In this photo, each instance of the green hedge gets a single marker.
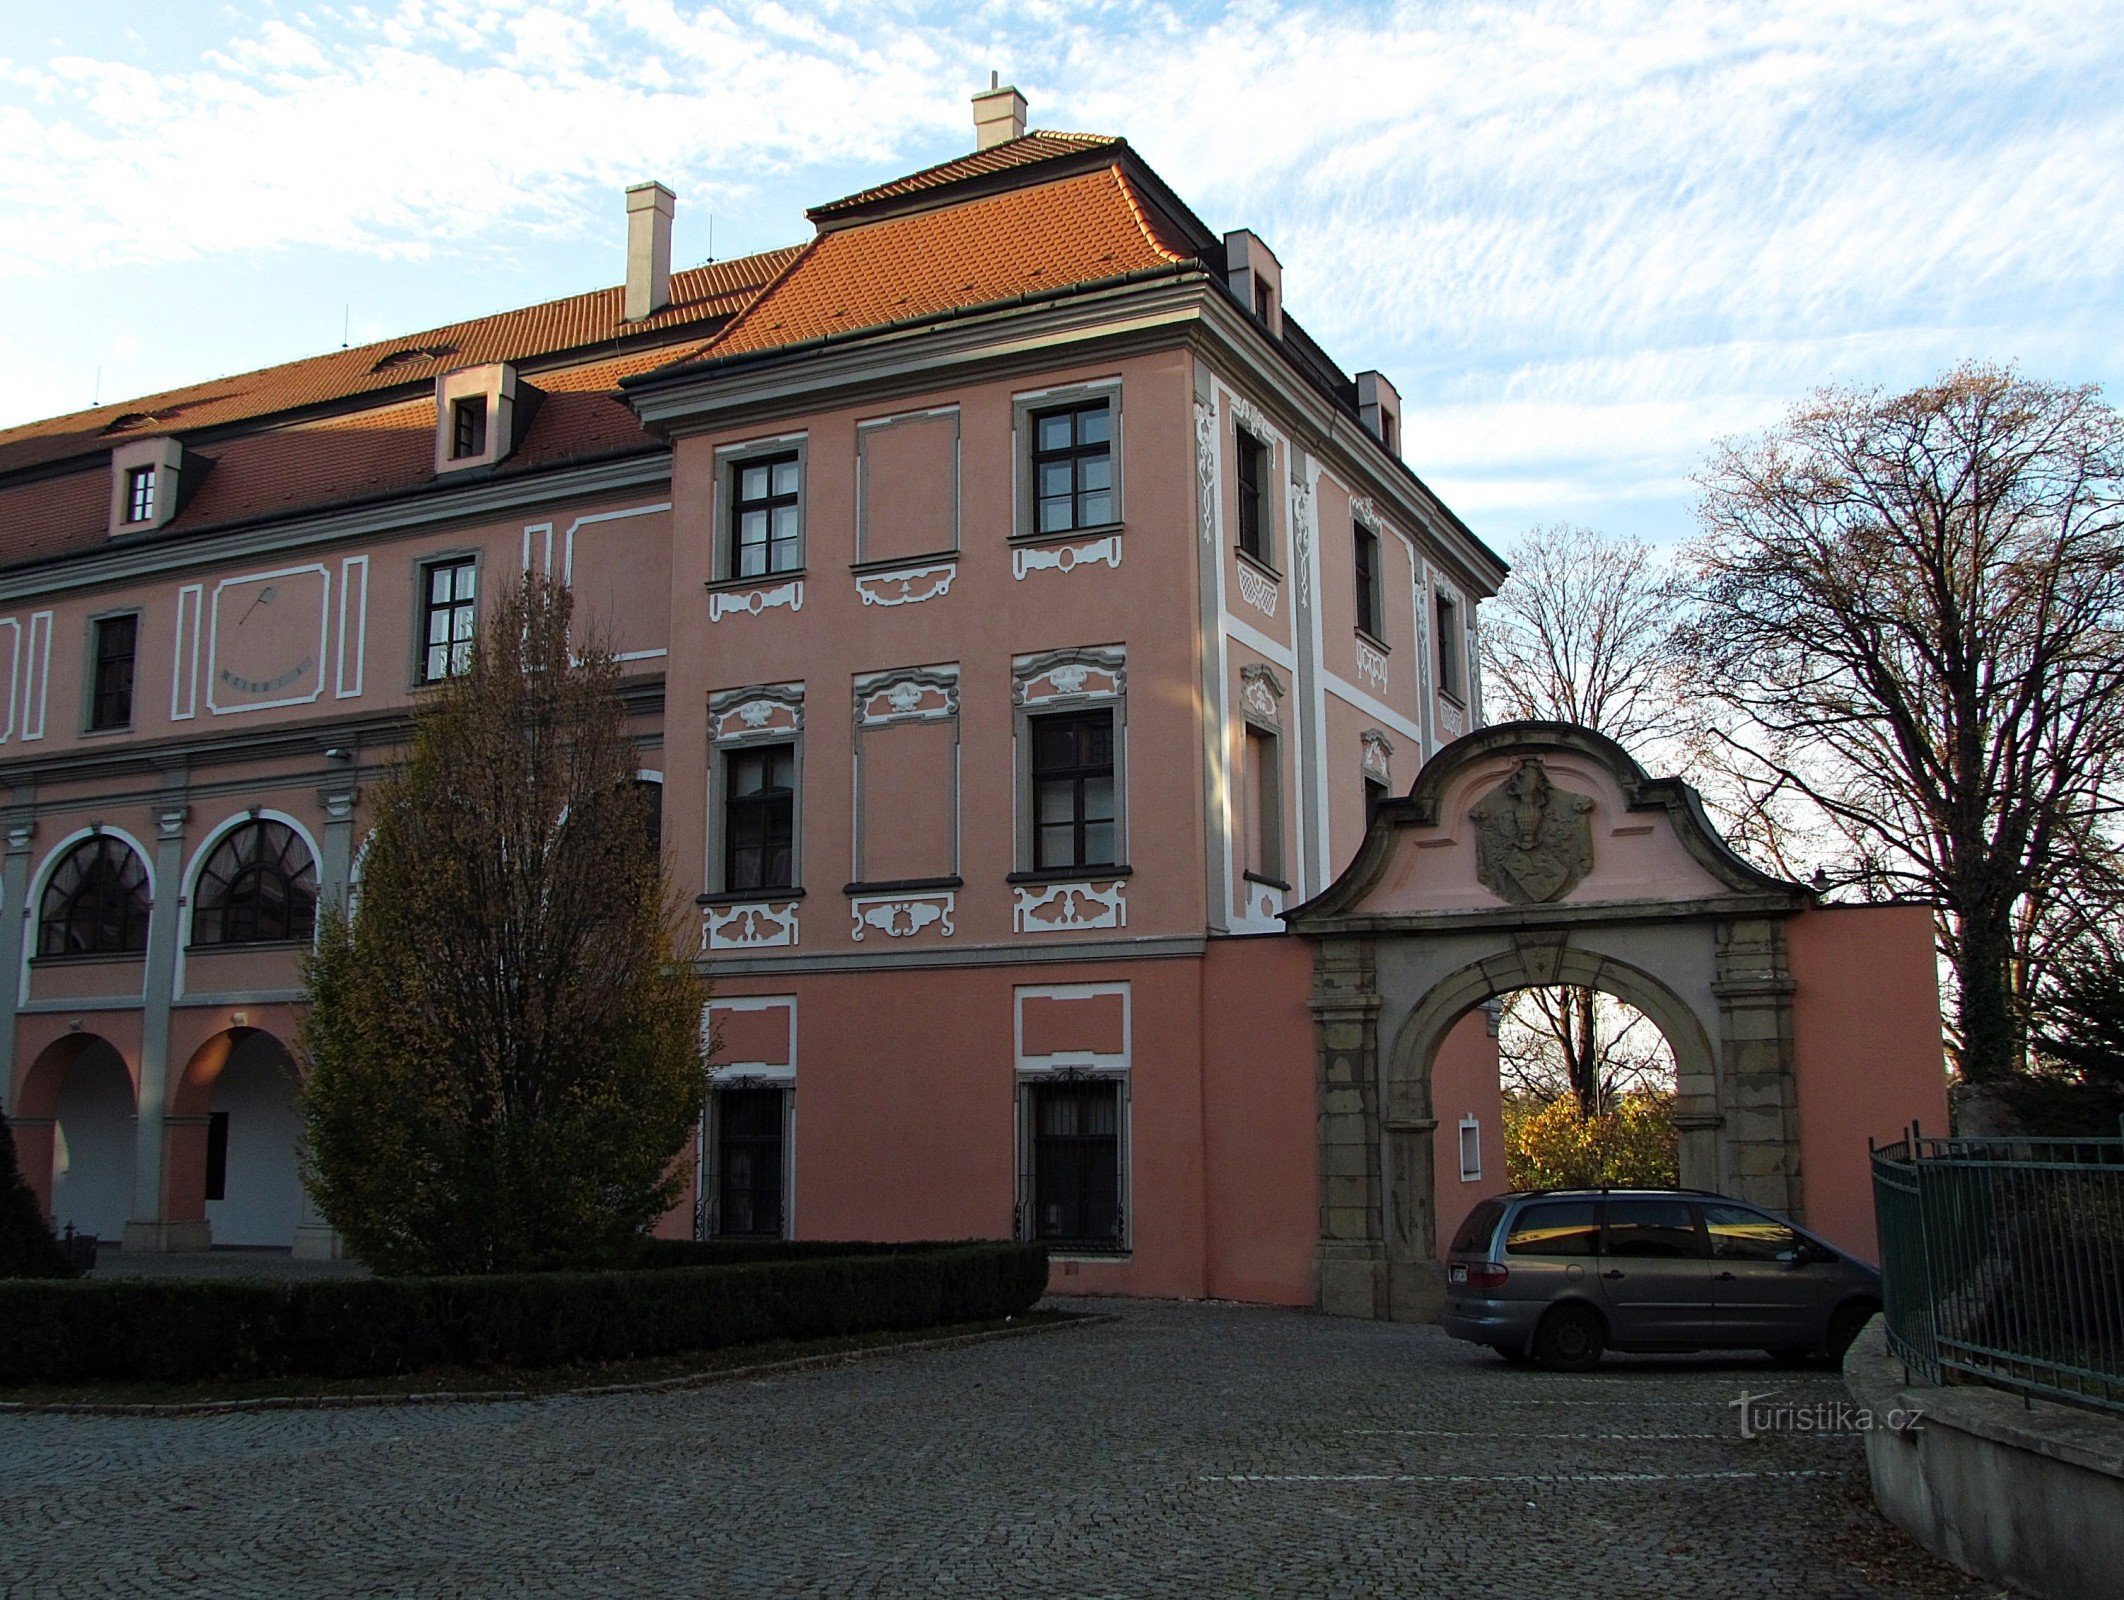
(180, 1331)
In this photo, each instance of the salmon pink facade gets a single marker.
(1019, 613)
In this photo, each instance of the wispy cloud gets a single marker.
(1585, 238)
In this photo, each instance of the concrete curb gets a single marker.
(448, 1397)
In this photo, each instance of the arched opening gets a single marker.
(95, 902)
(82, 1084)
(257, 886)
(1586, 1085)
(239, 1096)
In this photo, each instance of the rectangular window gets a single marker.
(111, 695)
(449, 621)
(1470, 1150)
(217, 1155)
(1386, 430)
(766, 516)
(140, 494)
(1076, 1163)
(1366, 546)
(749, 1126)
(1449, 678)
(1073, 468)
(1263, 797)
(759, 818)
(1264, 300)
(1073, 790)
(1253, 458)
(468, 427)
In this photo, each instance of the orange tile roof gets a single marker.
(577, 322)
(1026, 150)
(1075, 230)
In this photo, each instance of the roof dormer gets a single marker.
(1256, 277)
(1379, 405)
(480, 414)
(147, 476)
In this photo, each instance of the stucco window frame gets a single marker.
(417, 663)
(1025, 520)
(722, 550)
(1024, 871)
(1031, 1077)
(92, 626)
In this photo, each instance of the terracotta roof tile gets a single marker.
(1082, 229)
(579, 321)
(1026, 150)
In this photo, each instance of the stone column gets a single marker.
(336, 870)
(15, 921)
(1351, 1263)
(1758, 1085)
(150, 1227)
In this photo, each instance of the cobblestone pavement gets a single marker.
(1198, 1451)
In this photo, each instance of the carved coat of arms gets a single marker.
(1532, 840)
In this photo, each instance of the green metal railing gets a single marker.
(2002, 1260)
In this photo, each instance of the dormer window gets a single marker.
(468, 427)
(140, 494)
(1264, 301)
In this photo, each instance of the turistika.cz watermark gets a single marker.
(1771, 1413)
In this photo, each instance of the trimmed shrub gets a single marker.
(27, 1248)
(369, 1327)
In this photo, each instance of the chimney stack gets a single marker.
(999, 115)
(649, 208)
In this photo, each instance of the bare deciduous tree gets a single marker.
(1912, 606)
(1575, 1042)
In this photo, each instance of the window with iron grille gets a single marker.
(111, 686)
(1365, 544)
(468, 427)
(449, 617)
(759, 818)
(140, 494)
(766, 516)
(1073, 790)
(1075, 1151)
(96, 901)
(1253, 459)
(749, 1149)
(259, 886)
(1073, 467)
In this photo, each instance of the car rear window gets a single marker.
(1477, 1227)
(1555, 1228)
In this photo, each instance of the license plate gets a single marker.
(1456, 1274)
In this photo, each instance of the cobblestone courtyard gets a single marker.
(1196, 1451)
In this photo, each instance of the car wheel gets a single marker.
(1845, 1326)
(1570, 1339)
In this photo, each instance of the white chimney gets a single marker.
(999, 115)
(649, 208)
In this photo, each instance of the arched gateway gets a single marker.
(1538, 853)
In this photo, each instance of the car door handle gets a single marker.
(1612, 1272)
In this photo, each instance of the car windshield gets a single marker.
(1476, 1228)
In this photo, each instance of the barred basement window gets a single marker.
(749, 1133)
(1075, 1149)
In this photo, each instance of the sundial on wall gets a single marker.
(268, 639)
(1533, 841)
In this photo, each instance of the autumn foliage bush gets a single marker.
(1548, 1145)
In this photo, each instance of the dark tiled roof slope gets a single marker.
(1024, 151)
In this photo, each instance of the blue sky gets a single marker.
(1586, 240)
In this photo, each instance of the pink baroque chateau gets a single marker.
(1020, 614)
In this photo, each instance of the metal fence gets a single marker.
(2003, 1260)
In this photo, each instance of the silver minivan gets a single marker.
(1559, 1275)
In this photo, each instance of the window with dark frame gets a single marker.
(259, 886)
(111, 686)
(1073, 790)
(759, 818)
(1449, 647)
(1365, 544)
(217, 1155)
(96, 901)
(1076, 1163)
(140, 494)
(1073, 467)
(449, 617)
(468, 427)
(1264, 299)
(1264, 800)
(1386, 429)
(1253, 462)
(766, 516)
(748, 1162)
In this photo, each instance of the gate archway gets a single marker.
(1526, 855)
